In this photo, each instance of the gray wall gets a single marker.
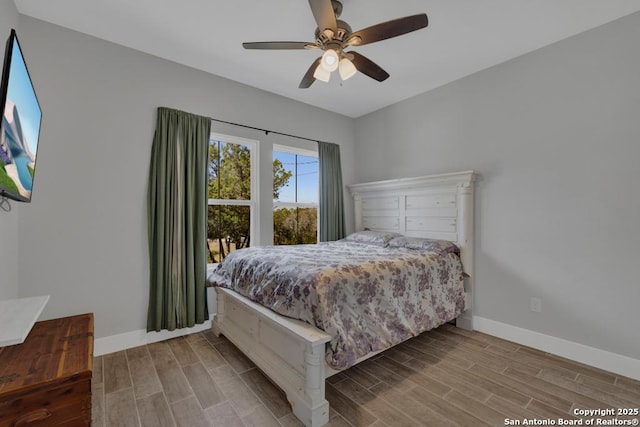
(8, 220)
(555, 136)
(83, 239)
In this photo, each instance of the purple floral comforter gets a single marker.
(367, 297)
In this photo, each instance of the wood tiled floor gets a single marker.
(445, 377)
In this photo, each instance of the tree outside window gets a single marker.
(231, 195)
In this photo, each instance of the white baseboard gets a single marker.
(140, 337)
(613, 362)
(113, 343)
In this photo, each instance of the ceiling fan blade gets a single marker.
(387, 30)
(324, 15)
(368, 67)
(308, 78)
(279, 45)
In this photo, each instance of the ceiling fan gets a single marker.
(333, 36)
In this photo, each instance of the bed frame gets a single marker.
(291, 352)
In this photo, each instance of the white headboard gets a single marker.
(434, 206)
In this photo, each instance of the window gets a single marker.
(295, 196)
(233, 195)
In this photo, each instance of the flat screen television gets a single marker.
(20, 126)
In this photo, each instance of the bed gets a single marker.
(397, 276)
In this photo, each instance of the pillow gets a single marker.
(432, 245)
(372, 237)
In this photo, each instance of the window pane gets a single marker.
(283, 177)
(229, 171)
(307, 180)
(295, 226)
(227, 230)
(295, 178)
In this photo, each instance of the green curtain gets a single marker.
(177, 214)
(331, 200)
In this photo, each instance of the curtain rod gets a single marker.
(266, 131)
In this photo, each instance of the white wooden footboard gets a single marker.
(290, 352)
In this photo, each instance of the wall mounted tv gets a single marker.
(20, 126)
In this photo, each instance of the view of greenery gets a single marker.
(228, 225)
(229, 174)
(295, 226)
(227, 230)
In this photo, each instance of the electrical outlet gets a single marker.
(535, 305)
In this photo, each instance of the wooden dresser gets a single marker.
(46, 381)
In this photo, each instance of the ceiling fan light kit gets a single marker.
(346, 69)
(322, 74)
(330, 60)
(333, 36)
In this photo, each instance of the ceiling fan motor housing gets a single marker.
(327, 37)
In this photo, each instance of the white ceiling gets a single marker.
(463, 36)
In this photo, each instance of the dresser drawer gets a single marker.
(68, 404)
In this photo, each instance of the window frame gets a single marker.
(254, 201)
